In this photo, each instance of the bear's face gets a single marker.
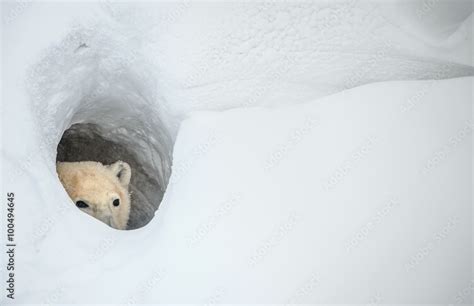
(98, 190)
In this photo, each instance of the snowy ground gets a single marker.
(315, 152)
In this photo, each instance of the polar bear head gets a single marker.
(98, 190)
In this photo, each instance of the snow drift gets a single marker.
(275, 194)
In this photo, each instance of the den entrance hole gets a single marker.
(91, 142)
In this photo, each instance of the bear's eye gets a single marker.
(116, 202)
(81, 204)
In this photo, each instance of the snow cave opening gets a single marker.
(97, 98)
(150, 166)
(121, 124)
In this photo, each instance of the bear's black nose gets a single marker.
(116, 202)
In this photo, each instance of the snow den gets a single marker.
(96, 100)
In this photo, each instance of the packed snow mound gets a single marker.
(370, 187)
(358, 197)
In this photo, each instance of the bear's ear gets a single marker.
(122, 171)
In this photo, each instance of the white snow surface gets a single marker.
(320, 151)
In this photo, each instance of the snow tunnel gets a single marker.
(96, 102)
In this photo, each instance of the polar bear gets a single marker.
(98, 190)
